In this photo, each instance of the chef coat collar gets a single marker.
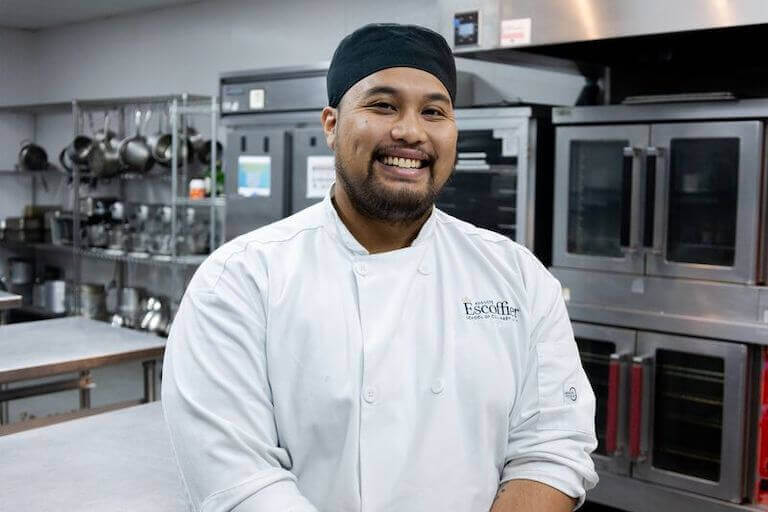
(350, 242)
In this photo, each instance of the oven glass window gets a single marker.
(594, 197)
(703, 200)
(483, 188)
(688, 413)
(595, 356)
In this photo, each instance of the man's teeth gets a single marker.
(401, 162)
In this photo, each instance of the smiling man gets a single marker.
(372, 353)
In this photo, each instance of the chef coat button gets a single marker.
(361, 268)
(438, 386)
(369, 395)
(424, 269)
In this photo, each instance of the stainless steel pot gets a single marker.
(56, 296)
(204, 154)
(92, 301)
(97, 235)
(130, 306)
(161, 144)
(104, 158)
(78, 150)
(32, 157)
(134, 151)
(21, 271)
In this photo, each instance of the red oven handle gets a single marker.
(612, 416)
(636, 408)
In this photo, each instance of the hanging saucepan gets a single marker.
(76, 153)
(79, 149)
(67, 166)
(161, 144)
(32, 157)
(204, 154)
(134, 151)
(104, 157)
(195, 141)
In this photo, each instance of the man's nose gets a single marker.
(409, 129)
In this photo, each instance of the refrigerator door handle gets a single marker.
(639, 394)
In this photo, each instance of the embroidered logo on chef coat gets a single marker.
(570, 396)
(490, 309)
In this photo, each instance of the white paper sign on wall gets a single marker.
(515, 32)
(321, 173)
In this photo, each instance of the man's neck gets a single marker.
(375, 235)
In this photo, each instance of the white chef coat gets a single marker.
(303, 373)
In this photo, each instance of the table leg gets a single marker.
(85, 392)
(150, 394)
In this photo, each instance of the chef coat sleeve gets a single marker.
(552, 423)
(216, 396)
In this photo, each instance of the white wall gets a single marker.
(18, 74)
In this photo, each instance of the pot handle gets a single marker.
(63, 162)
(147, 117)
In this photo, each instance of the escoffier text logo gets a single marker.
(490, 309)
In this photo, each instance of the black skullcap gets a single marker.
(388, 45)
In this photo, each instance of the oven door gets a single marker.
(687, 414)
(707, 200)
(597, 197)
(605, 355)
(489, 187)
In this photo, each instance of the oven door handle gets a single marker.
(612, 407)
(625, 233)
(637, 406)
(653, 161)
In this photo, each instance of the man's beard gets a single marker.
(375, 200)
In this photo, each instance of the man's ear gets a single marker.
(330, 117)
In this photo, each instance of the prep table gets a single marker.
(9, 300)
(120, 460)
(32, 350)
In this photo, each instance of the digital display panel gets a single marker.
(254, 176)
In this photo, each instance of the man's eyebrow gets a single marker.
(386, 89)
(437, 96)
(381, 89)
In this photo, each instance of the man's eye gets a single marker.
(433, 112)
(384, 106)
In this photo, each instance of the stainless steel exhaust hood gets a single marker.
(564, 21)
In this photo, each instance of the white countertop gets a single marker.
(117, 461)
(30, 350)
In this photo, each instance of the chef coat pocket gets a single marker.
(566, 400)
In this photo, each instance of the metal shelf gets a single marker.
(106, 254)
(148, 259)
(208, 201)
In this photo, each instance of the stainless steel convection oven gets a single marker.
(276, 160)
(659, 242)
(659, 216)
